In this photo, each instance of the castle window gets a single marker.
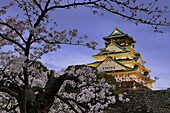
(108, 68)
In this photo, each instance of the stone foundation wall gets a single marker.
(144, 102)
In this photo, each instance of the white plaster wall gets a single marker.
(110, 64)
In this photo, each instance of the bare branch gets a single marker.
(39, 6)
(46, 5)
(131, 18)
(27, 14)
(74, 4)
(64, 43)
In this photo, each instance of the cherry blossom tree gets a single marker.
(26, 36)
(85, 91)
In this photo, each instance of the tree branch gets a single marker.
(53, 84)
(131, 17)
(8, 91)
(12, 41)
(74, 4)
(19, 34)
(13, 108)
(64, 43)
(27, 14)
(78, 104)
(39, 6)
(36, 88)
(46, 5)
(65, 101)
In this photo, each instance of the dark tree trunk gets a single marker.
(43, 100)
(40, 103)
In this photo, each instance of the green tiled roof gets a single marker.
(119, 71)
(116, 34)
(146, 73)
(104, 50)
(97, 62)
(110, 53)
(137, 57)
(124, 59)
(135, 67)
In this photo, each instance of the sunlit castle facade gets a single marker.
(119, 59)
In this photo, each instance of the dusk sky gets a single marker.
(153, 47)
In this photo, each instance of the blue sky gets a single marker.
(153, 47)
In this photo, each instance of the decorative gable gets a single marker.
(114, 48)
(116, 32)
(140, 61)
(110, 65)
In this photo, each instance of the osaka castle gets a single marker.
(119, 59)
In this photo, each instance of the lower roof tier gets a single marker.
(129, 64)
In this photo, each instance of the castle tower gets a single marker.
(119, 59)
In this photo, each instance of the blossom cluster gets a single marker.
(87, 93)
